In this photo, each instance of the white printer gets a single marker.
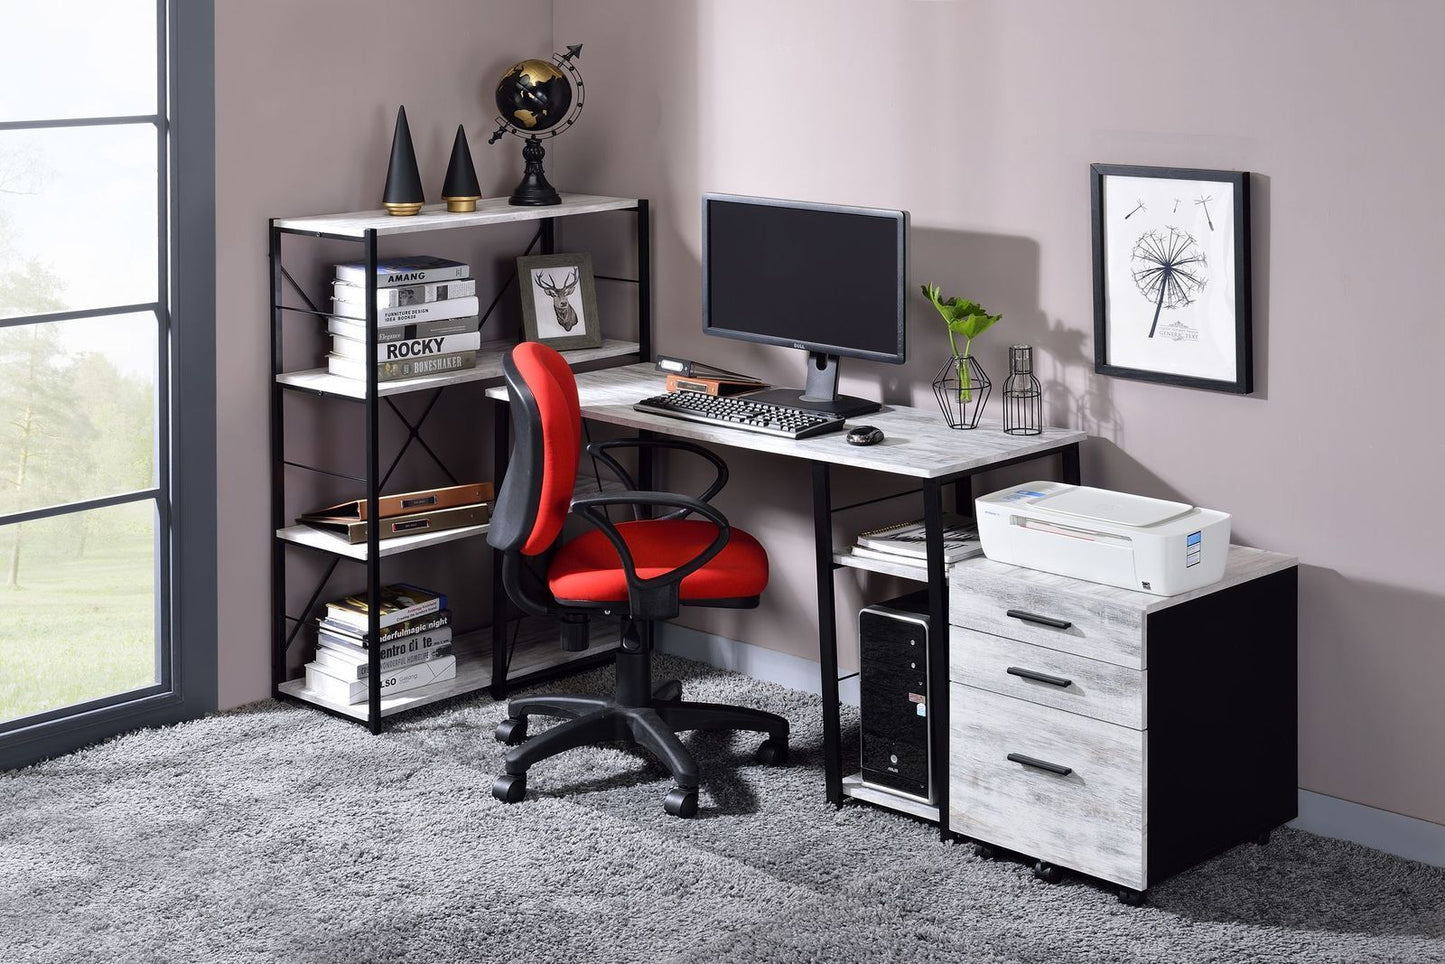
(1118, 539)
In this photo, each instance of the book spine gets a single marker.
(355, 274)
(321, 679)
(440, 345)
(413, 643)
(404, 294)
(396, 350)
(356, 330)
(410, 314)
(426, 365)
(354, 670)
(421, 624)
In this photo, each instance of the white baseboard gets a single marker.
(1327, 816)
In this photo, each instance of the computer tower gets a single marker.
(893, 688)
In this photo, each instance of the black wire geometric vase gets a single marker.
(1023, 398)
(961, 387)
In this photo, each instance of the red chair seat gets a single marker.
(588, 569)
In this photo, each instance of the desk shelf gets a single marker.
(488, 373)
(303, 535)
(854, 788)
(537, 652)
(902, 568)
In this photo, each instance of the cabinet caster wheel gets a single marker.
(680, 802)
(510, 787)
(1262, 838)
(1048, 873)
(511, 731)
(773, 752)
(984, 851)
(1131, 898)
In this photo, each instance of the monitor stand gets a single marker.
(821, 393)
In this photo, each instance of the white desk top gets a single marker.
(917, 443)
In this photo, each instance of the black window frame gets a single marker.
(185, 490)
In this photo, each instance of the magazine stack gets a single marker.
(415, 642)
(906, 541)
(427, 319)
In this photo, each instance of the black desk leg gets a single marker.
(937, 651)
(963, 496)
(1071, 464)
(827, 634)
(501, 425)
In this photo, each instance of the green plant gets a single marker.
(963, 317)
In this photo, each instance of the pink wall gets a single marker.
(306, 96)
(981, 118)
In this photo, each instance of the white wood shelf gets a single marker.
(303, 535)
(435, 217)
(537, 649)
(903, 568)
(488, 370)
(854, 787)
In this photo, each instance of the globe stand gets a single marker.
(534, 189)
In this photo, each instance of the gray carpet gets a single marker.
(279, 834)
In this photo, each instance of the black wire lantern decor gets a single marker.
(1023, 399)
(961, 387)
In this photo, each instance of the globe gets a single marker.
(534, 95)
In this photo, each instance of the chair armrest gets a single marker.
(598, 450)
(656, 597)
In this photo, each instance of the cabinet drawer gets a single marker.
(1089, 819)
(1089, 687)
(1073, 623)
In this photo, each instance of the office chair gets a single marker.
(642, 571)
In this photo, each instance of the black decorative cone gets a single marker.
(403, 193)
(461, 190)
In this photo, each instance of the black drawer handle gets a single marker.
(1045, 765)
(1058, 681)
(1029, 617)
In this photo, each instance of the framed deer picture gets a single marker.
(559, 301)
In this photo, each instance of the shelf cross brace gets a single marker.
(414, 435)
(310, 604)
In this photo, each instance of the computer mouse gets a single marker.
(864, 435)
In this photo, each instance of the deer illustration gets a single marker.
(566, 314)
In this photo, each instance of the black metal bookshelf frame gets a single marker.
(286, 627)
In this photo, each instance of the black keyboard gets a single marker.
(740, 412)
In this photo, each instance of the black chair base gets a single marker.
(653, 725)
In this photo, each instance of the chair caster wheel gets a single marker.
(510, 787)
(1131, 898)
(1048, 873)
(511, 731)
(773, 752)
(984, 851)
(1262, 838)
(680, 802)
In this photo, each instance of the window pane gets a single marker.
(77, 58)
(78, 608)
(78, 218)
(79, 410)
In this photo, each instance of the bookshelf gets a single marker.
(487, 658)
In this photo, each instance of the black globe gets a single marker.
(533, 96)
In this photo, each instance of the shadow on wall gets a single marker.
(1002, 273)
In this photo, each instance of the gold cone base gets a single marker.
(462, 205)
(402, 210)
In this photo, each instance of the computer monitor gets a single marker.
(823, 278)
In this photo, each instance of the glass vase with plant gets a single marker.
(962, 386)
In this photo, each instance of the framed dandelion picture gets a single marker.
(1171, 276)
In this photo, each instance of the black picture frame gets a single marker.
(1240, 380)
(541, 324)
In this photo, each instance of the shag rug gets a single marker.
(276, 833)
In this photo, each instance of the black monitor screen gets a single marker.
(820, 278)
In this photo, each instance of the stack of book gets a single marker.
(426, 318)
(416, 644)
(408, 513)
(906, 541)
